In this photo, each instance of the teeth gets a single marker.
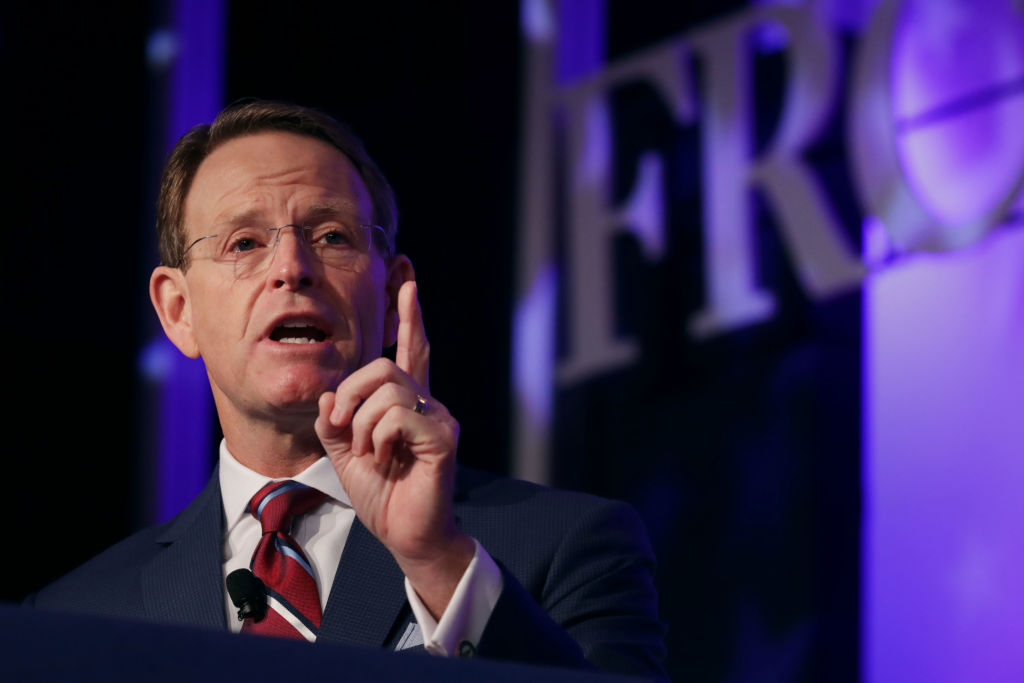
(298, 331)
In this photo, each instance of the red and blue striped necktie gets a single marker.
(292, 595)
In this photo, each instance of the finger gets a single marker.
(332, 436)
(345, 405)
(413, 352)
(362, 383)
(373, 409)
(390, 434)
(325, 404)
(398, 426)
(418, 435)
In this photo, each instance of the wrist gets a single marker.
(435, 578)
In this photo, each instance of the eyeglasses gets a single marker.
(250, 250)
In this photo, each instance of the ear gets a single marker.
(169, 293)
(399, 271)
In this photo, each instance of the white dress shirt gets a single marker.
(322, 534)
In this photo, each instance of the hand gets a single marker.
(398, 466)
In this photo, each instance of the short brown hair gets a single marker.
(247, 118)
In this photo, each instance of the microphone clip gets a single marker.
(248, 594)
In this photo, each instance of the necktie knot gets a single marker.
(278, 503)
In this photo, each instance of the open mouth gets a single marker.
(298, 333)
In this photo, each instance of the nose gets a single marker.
(293, 265)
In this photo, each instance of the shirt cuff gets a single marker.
(466, 616)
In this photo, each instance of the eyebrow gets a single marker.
(250, 217)
(256, 217)
(333, 210)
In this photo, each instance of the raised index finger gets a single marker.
(413, 352)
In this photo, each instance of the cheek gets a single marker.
(371, 306)
(370, 303)
(219, 317)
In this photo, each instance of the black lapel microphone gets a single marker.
(248, 594)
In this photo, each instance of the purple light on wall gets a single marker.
(197, 88)
(581, 39)
(196, 48)
(944, 466)
(943, 548)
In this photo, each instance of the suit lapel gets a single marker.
(368, 595)
(183, 584)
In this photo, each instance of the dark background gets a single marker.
(741, 453)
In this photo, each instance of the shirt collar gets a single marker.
(238, 484)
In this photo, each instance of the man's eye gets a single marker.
(335, 238)
(243, 244)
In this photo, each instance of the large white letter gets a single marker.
(823, 260)
(594, 223)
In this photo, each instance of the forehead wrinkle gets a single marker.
(338, 167)
(250, 210)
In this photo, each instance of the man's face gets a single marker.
(275, 340)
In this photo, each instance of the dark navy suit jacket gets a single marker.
(577, 570)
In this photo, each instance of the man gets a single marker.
(276, 234)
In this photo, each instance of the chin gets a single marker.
(301, 393)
